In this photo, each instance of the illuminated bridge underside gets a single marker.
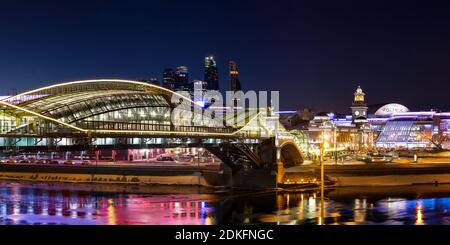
(113, 108)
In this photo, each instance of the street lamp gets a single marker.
(335, 145)
(322, 180)
(200, 150)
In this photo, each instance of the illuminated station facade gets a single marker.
(391, 126)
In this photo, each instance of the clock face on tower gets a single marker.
(357, 113)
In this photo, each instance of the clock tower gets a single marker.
(359, 108)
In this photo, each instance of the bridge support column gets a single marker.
(280, 171)
(254, 179)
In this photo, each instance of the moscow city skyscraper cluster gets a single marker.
(178, 79)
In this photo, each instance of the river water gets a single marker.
(24, 203)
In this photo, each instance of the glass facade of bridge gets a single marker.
(97, 113)
(124, 121)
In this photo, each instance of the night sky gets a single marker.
(314, 52)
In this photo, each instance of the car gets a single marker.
(24, 161)
(362, 157)
(53, 162)
(39, 162)
(68, 162)
(11, 161)
(348, 158)
(378, 158)
(165, 159)
(85, 163)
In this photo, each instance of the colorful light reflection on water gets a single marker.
(26, 203)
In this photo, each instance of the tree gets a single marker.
(436, 140)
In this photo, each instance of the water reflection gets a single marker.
(403, 206)
(419, 220)
(24, 203)
(304, 208)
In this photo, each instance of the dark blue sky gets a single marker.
(314, 52)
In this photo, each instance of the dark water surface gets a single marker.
(79, 204)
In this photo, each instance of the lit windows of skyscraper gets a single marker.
(168, 79)
(182, 79)
(199, 90)
(211, 74)
(235, 84)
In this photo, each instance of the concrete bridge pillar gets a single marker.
(280, 171)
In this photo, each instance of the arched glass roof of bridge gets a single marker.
(73, 101)
(71, 104)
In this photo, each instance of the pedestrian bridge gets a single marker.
(96, 111)
(111, 108)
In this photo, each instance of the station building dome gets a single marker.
(391, 108)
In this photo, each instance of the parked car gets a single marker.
(68, 162)
(85, 163)
(53, 162)
(348, 158)
(43, 161)
(39, 162)
(378, 158)
(164, 158)
(362, 157)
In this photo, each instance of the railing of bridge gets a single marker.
(105, 125)
(29, 124)
(102, 127)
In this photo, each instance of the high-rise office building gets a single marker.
(168, 79)
(182, 79)
(199, 89)
(211, 74)
(235, 84)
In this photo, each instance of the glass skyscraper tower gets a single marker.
(211, 74)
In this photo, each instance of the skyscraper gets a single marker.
(235, 84)
(211, 74)
(182, 79)
(168, 79)
(199, 90)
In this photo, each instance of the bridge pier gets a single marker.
(280, 171)
(254, 179)
(262, 176)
